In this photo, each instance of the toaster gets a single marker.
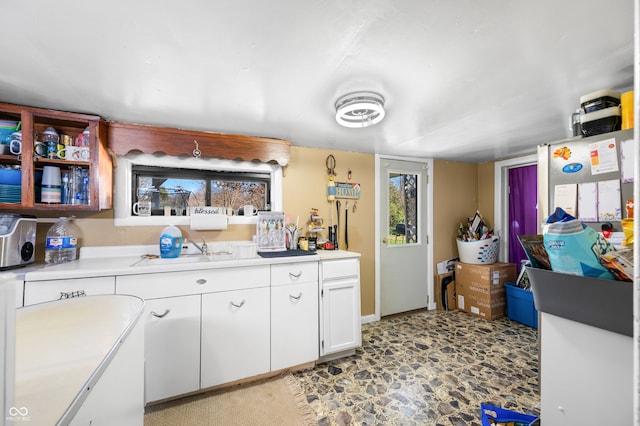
(17, 240)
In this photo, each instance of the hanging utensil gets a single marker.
(346, 226)
(338, 223)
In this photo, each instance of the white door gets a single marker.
(172, 346)
(294, 324)
(236, 341)
(404, 271)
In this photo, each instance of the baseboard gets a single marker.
(368, 318)
(337, 355)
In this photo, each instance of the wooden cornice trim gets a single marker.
(124, 138)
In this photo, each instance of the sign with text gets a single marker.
(348, 190)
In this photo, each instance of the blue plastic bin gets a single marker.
(520, 305)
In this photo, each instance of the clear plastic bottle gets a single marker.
(61, 242)
(85, 186)
(64, 198)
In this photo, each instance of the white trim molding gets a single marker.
(501, 198)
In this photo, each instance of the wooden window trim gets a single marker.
(124, 138)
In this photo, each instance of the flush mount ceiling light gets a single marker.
(360, 109)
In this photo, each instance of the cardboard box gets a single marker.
(480, 288)
(446, 282)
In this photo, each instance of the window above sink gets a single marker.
(172, 184)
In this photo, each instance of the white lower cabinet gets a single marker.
(209, 327)
(294, 324)
(172, 350)
(340, 325)
(235, 335)
(47, 291)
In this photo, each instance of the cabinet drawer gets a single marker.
(169, 284)
(46, 291)
(292, 273)
(340, 268)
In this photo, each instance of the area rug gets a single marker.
(277, 401)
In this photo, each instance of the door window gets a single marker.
(403, 208)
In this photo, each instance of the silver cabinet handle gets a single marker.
(71, 294)
(296, 297)
(201, 281)
(235, 305)
(298, 275)
(162, 315)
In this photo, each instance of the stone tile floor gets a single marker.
(427, 368)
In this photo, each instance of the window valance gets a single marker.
(124, 138)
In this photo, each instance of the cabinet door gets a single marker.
(341, 316)
(46, 291)
(294, 324)
(235, 335)
(172, 347)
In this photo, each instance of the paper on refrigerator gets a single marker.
(609, 205)
(565, 197)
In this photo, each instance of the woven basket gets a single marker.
(479, 252)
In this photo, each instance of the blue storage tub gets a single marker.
(520, 305)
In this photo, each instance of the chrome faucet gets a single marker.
(204, 249)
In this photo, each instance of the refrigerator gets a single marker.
(586, 324)
(592, 176)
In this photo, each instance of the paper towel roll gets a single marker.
(205, 222)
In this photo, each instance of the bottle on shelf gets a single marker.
(78, 186)
(51, 138)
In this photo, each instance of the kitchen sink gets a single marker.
(175, 260)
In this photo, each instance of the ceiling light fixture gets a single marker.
(360, 109)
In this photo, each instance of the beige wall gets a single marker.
(455, 197)
(459, 189)
(486, 191)
(305, 187)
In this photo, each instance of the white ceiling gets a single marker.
(463, 80)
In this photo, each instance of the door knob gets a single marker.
(385, 240)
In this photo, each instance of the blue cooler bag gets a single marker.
(496, 416)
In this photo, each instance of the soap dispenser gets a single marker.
(170, 242)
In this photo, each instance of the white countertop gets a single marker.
(119, 260)
(62, 349)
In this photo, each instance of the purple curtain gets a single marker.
(523, 198)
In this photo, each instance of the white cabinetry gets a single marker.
(210, 327)
(235, 335)
(294, 314)
(172, 329)
(16, 283)
(46, 291)
(116, 399)
(172, 350)
(340, 328)
(573, 357)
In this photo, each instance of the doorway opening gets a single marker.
(503, 216)
(404, 257)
